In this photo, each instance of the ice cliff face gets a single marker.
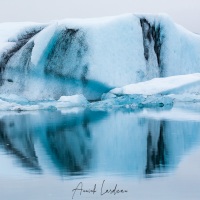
(67, 57)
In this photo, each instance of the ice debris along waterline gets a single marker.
(128, 55)
(157, 92)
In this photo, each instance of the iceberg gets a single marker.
(90, 57)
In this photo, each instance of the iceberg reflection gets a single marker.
(81, 142)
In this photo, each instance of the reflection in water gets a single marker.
(65, 138)
(69, 144)
(155, 152)
(19, 144)
(84, 141)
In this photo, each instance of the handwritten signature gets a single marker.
(113, 191)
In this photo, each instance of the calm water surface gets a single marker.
(152, 154)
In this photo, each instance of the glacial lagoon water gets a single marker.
(147, 154)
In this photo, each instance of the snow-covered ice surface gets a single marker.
(173, 84)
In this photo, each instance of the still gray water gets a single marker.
(153, 154)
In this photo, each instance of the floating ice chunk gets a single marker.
(132, 102)
(76, 99)
(65, 102)
(187, 97)
(15, 103)
(6, 105)
(25, 107)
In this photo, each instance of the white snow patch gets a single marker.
(10, 31)
(159, 85)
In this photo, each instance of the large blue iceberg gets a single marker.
(92, 56)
